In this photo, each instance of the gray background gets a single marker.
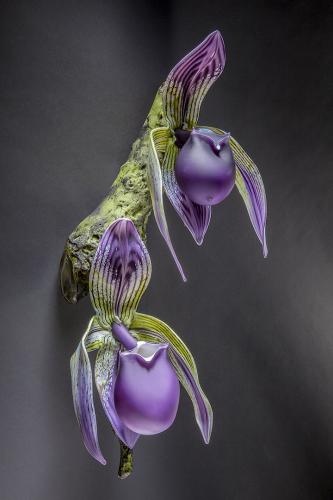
(77, 79)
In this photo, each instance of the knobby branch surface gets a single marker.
(125, 461)
(128, 197)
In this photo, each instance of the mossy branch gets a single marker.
(128, 197)
(125, 461)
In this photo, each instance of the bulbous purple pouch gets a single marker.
(205, 168)
(147, 389)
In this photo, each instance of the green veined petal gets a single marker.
(159, 139)
(82, 389)
(189, 81)
(120, 273)
(251, 188)
(152, 329)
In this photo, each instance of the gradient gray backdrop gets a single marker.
(77, 79)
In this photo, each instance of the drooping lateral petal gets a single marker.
(83, 396)
(159, 139)
(120, 273)
(202, 408)
(152, 329)
(195, 217)
(105, 375)
(189, 81)
(251, 188)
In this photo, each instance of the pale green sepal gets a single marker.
(159, 139)
(152, 329)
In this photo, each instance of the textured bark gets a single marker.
(125, 462)
(128, 197)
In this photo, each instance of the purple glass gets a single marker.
(123, 336)
(205, 168)
(146, 389)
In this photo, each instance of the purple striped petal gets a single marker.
(189, 81)
(83, 397)
(152, 329)
(195, 217)
(252, 190)
(120, 273)
(105, 375)
(202, 408)
(159, 139)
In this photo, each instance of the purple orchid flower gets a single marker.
(147, 389)
(140, 360)
(198, 166)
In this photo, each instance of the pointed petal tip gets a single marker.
(206, 430)
(121, 258)
(199, 241)
(101, 460)
(265, 251)
(206, 439)
(131, 441)
(184, 278)
(251, 188)
(217, 43)
(264, 245)
(191, 78)
(200, 236)
(217, 49)
(173, 253)
(216, 36)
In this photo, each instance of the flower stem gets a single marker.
(125, 462)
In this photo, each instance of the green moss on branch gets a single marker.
(128, 197)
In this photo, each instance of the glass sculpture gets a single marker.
(140, 360)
